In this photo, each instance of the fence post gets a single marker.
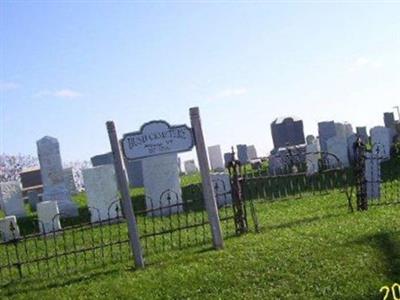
(208, 192)
(126, 199)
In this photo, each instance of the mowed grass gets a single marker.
(308, 248)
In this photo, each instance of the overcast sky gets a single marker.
(68, 68)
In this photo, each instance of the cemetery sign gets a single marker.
(157, 138)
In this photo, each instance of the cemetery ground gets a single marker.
(308, 247)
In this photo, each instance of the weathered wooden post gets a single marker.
(208, 192)
(126, 199)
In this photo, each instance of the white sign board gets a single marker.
(157, 138)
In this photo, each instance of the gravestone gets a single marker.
(312, 158)
(276, 165)
(215, 156)
(70, 181)
(251, 152)
(31, 178)
(54, 185)
(102, 159)
(310, 139)
(242, 154)
(48, 215)
(102, 193)
(33, 199)
(190, 167)
(372, 176)
(9, 229)
(228, 157)
(222, 188)
(362, 133)
(162, 184)
(338, 147)
(388, 118)
(350, 147)
(134, 168)
(326, 130)
(287, 131)
(11, 199)
(381, 140)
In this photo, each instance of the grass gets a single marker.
(308, 248)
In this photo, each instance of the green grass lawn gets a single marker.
(308, 248)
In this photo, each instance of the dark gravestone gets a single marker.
(287, 131)
(135, 172)
(31, 178)
(102, 159)
(242, 154)
(388, 118)
(228, 157)
(326, 130)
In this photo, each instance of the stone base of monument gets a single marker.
(49, 218)
(9, 229)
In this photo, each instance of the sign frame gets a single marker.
(140, 132)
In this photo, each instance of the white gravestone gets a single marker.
(190, 167)
(162, 184)
(381, 140)
(9, 229)
(215, 156)
(337, 146)
(372, 176)
(70, 181)
(102, 191)
(11, 199)
(252, 152)
(312, 158)
(54, 185)
(222, 188)
(49, 219)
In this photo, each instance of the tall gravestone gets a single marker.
(381, 140)
(228, 158)
(102, 191)
(312, 158)
(372, 176)
(338, 147)
(242, 154)
(326, 130)
(215, 156)
(135, 172)
(252, 152)
(54, 185)
(362, 133)
(11, 199)
(162, 184)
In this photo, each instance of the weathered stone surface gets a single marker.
(381, 140)
(162, 184)
(9, 229)
(338, 147)
(48, 215)
(54, 186)
(33, 199)
(102, 159)
(215, 156)
(287, 131)
(362, 133)
(222, 188)
(134, 169)
(351, 140)
(372, 176)
(190, 167)
(102, 191)
(251, 152)
(312, 158)
(326, 130)
(242, 154)
(70, 181)
(11, 199)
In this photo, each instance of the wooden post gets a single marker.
(126, 199)
(208, 191)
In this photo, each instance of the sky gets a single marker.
(68, 67)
